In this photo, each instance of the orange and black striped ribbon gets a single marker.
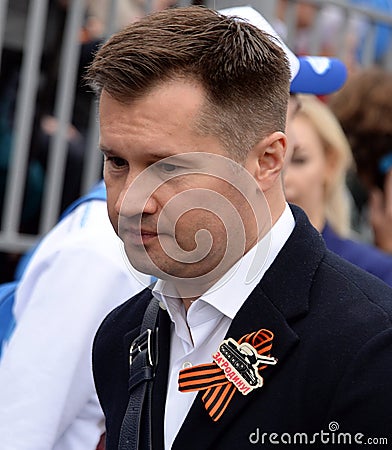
(211, 378)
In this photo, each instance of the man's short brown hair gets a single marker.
(244, 73)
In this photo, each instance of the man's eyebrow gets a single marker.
(159, 155)
(162, 155)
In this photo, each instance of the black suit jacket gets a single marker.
(333, 340)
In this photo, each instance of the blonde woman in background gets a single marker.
(315, 180)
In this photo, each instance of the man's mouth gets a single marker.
(141, 237)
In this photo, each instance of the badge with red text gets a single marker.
(236, 366)
(240, 363)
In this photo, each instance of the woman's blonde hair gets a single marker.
(337, 151)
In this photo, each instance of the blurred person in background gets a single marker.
(75, 277)
(364, 109)
(315, 180)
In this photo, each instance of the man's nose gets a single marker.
(136, 198)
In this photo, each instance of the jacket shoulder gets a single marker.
(367, 290)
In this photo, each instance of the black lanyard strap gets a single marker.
(143, 359)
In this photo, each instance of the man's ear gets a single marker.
(265, 159)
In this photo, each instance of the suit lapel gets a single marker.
(275, 304)
(257, 312)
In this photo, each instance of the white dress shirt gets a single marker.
(75, 278)
(197, 334)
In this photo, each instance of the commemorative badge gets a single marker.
(236, 366)
(240, 364)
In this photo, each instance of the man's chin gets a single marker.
(139, 260)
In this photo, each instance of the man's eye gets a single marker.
(117, 162)
(168, 168)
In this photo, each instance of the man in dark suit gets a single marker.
(264, 336)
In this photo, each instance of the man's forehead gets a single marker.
(171, 82)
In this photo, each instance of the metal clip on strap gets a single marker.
(141, 359)
(141, 343)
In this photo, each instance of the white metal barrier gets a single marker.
(11, 237)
